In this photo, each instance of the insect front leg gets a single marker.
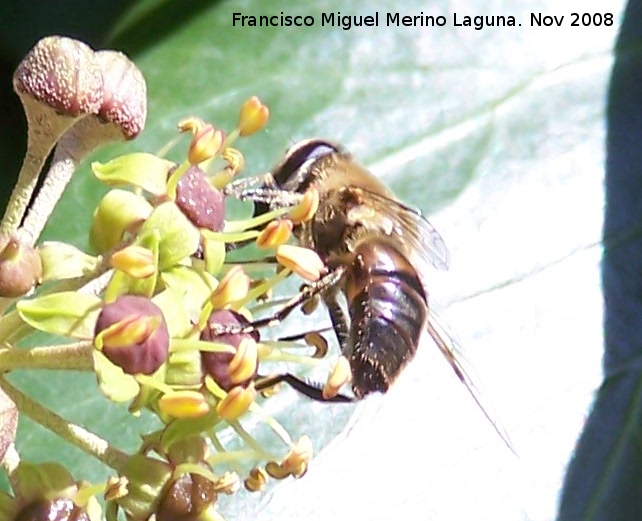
(338, 318)
(309, 291)
(308, 389)
(269, 193)
(239, 185)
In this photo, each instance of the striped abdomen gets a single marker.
(388, 310)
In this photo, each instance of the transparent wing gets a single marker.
(418, 234)
(449, 352)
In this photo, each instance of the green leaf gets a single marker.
(195, 288)
(67, 314)
(138, 169)
(178, 236)
(176, 314)
(64, 261)
(114, 383)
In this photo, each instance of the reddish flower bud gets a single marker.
(60, 509)
(125, 93)
(20, 267)
(199, 201)
(63, 74)
(132, 333)
(187, 497)
(218, 364)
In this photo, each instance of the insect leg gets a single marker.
(307, 389)
(338, 318)
(269, 193)
(242, 184)
(308, 292)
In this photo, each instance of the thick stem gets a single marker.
(78, 436)
(45, 126)
(13, 329)
(9, 324)
(85, 136)
(55, 182)
(76, 356)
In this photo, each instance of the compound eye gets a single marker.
(293, 172)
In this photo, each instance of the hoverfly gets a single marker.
(377, 251)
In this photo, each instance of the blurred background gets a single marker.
(499, 135)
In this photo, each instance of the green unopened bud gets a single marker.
(119, 212)
(147, 478)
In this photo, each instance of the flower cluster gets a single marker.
(157, 311)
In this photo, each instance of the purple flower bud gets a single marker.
(217, 364)
(55, 510)
(20, 267)
(125, 93)
(186, 498)
(199, 201)
(133, 334)
(62, 73)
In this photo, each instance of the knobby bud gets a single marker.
(20, 267)
(63, 74)
(125, 93)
